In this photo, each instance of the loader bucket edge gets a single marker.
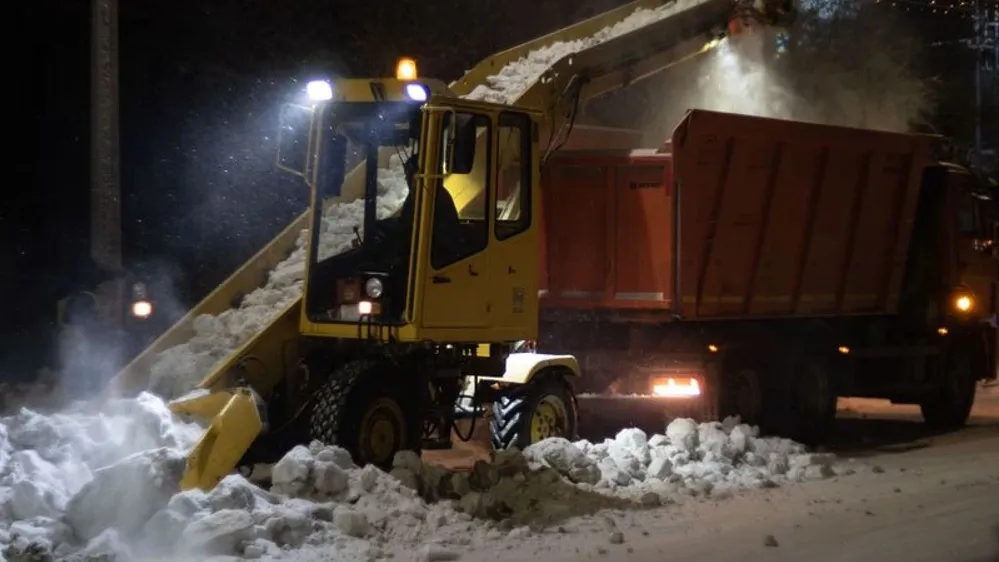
(235, 424)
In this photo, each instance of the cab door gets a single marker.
(515, 247)
(455, 294)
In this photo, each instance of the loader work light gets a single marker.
(319, 90)
(405, 69)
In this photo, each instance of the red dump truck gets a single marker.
(762, 268)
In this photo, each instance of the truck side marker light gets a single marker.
(964, 303)
(844, 350)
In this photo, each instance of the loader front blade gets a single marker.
(235, 424)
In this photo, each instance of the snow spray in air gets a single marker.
(839, 63)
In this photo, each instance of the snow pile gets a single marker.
(708, 459)
(67, 480)
(180, 368)
(106, 483)
(515, 78)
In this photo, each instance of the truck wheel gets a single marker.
(950, 407)
(367, 411)
(811, 407)
(525, 414)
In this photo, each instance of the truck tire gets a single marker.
(525, 414)
(368, 411)
(949, 408)
(811, 404)
(742, 395)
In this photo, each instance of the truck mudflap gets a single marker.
(235, 424)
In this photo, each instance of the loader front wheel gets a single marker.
(525, 414)
(363, 408)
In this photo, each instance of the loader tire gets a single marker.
(525, 414)
(949, 408)
(363, 408)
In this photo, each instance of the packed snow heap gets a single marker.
(106, 483)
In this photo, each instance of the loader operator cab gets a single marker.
(409, 202)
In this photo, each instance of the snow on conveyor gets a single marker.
(92, 481)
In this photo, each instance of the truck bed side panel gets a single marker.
(607, 231)
(781, 218)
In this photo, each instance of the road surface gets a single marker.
(914, 498)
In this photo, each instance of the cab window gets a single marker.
(460, 220)
(513, 191)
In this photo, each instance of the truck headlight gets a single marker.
(374, 288)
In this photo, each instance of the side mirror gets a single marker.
(461, 145)
(332, 164)
(295, 137)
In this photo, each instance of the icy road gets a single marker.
(922, 498)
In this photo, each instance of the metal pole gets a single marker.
(976, 158)
(105, 190)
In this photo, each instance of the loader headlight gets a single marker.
(417, 92)
(374, 288)
(142, 309)
(319, 90)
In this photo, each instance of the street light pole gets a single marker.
(105, 173)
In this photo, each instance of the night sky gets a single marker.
(201, 82)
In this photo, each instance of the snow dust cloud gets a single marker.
(838, 63)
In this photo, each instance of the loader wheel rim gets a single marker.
(549, 419)
(382, 432)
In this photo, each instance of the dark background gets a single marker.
(200, 86)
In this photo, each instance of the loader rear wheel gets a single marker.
(363, 408)
(528, 413)
(949, 408)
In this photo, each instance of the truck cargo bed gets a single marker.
(736, 217)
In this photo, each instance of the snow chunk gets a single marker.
(568, 460)
(126, 494)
